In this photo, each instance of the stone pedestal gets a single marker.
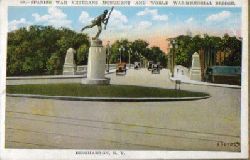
(69, 67)
(195, 72)
(96, 64)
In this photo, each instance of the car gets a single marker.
(121, 68)
(150, 63)
(160, 66)
(155, 69)
(137, 65)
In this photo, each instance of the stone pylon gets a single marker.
(69, 67)
(96, 64)
(195, 72)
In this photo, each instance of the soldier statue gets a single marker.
(103, 18)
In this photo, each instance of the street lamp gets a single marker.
(108, 54)
(139, 55)
(120, 50)
(129, 51)
(174, 46)
(136, 53)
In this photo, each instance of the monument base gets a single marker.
(96, 64)
(69, 70)
(96, 81)
(195, 74)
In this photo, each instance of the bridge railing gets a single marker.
(82, 69)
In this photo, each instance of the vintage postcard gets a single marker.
(124, 79)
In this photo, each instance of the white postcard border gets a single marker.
(70, 154)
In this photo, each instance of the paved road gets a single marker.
(191, 125)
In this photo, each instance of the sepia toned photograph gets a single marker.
(141, 78)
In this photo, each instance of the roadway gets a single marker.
(199, 125)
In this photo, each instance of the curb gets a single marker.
(208, 84)
(46, 77)
(109, 99)
(53, 76)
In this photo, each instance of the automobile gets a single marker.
(155, 69)
(150, 63)
(160, 66)
(121, 68)
(223, 75)
(137, 65)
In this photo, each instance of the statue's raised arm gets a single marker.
(103, 18)
(107, 19)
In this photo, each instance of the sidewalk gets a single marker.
(186, 80)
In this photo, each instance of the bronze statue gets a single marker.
(103, 18)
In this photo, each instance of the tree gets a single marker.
(139, 47)
(115, 52)
(82, 54)
(136, 49)
(234, 54)
(212, 45)
(184, 51)
(41, 49)
(157, 55)
(53, 64)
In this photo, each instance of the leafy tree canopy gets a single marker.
(42, 49)
(211, 45)
(136, 50)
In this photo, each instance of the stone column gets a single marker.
(69, 67)
(96, 64)
(195, 72)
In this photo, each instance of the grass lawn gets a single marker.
(83, 90)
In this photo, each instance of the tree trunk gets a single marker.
(220, 58)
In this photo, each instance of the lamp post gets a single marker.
(139, 55)
(129, 51)
(108, 54)
(120, 50)
(174, 46)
